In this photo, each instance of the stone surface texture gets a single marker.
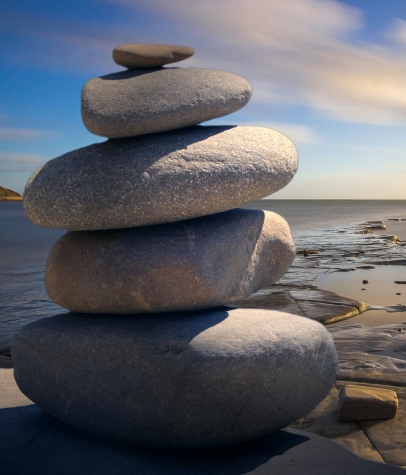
(375, 355)
(182, 380)
(323, 421)
(159, 178)
(134, 56)
(195, 264)
(138, 102)
(358, 403)
(379, 440)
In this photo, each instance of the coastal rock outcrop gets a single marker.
(151, 229)
(159, 178)
(201, 379)
(9, 195)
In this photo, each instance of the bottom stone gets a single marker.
(182, 380)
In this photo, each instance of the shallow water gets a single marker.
(309, 214)
(24, 248)
(380, 290)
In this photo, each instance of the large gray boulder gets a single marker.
(146, 101)
(194, 264)
(159, 178)
(181, 380)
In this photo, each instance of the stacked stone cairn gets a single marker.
(154, 252)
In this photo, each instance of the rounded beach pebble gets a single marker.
(157, 100)
(195, 264)
(182, 380)
(159, 178)
(134, 56)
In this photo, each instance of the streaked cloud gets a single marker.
(73, 44)
(304, 49)
(296, 132)
(13, 134)
(300, 52)
(335, 186)
(20, 162)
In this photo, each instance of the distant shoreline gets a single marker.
(9, 195)
(10, 199)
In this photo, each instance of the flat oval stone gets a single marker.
(194, 264)
(159, 178)
(134, 56)
(182, 380)
(157, 100)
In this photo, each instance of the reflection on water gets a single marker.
(380, 290)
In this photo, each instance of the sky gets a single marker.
(329, 74)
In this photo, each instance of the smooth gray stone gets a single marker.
(34, 443)
(183, 380)
(188, 265)
(159, 178)
(134, 56)
(138, 102)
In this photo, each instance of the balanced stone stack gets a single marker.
(154, 252)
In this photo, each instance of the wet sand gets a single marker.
(381, 289)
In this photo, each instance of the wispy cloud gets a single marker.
(296, 132)
(12, 134)
(20, 162)
(303, 52)
(73, 44)
(304, 49)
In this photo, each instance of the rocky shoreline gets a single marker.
(370, 357)
(9, 195)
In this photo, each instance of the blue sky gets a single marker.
(331, 75)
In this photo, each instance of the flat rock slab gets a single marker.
(311, 302)
(34, 443)
(374, 355)
(186, 380)
(383, 440)
(358, 403)
(196, 264)
(159, 178)
(134, 56)
(138, 102)
(389, 437)
(323, 421)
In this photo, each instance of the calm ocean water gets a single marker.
(24, 248)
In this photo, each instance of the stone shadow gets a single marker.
(34, 443)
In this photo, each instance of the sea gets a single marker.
(24, 248)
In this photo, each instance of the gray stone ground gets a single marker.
(34, 443)
(373, 357)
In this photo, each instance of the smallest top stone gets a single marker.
(136, 56)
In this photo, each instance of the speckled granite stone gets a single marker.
(159, 178)
(134, 56)
(194, 264)
(181, 380)
(141, 102)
